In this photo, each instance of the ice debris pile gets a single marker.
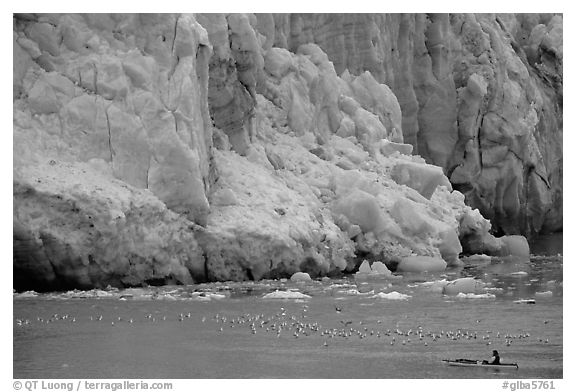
(155, 149)
(481, 96)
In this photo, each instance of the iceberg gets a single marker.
(26, 294)
(356, 292)
(476, 259)
(543, 294)
(300, 277)
(463, 286)
(207, 296)
(378, 272)
(475, 296)
(278, 294)
(376, 269)
(515, 246)
(394, 295)
(436, 286)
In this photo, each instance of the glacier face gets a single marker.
(481, 96)
(181, 148)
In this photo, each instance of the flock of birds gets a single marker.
(285, 324)
(297, 325)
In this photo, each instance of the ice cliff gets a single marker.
(481, 96)
(182, 148)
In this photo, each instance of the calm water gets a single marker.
(229, 330)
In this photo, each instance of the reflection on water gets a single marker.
(228, 330)
(548, 245)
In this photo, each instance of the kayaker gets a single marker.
(495, 360)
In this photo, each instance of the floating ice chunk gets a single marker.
(101, 293)
(356, 292)
(544, 294)
(515, 245)
(301, 277)
(379, 267)
(433, 283)
(136, 293)
(94, 293)
(450, 247)
(421, 264)
(464, 286)
(475, 259)
(207, 296)
(375, 273)
(201, 298)
(167, 297)
(26, 294)
(551, 283)
(339, 285)
(365, 267)
(286, 295)
(530, 301)
(436, 286)
(475, 296)
(392, 295)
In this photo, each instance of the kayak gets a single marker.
(475, 363)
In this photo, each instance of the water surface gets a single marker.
(228, 330)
